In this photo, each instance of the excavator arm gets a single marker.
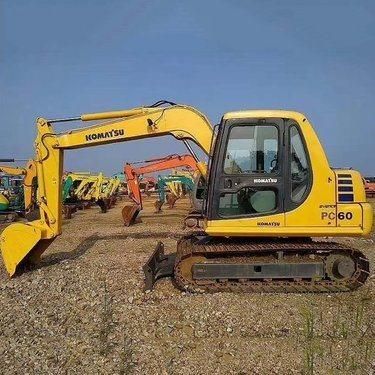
(156, 165)
(25, 242)
(168, 162)
(110, 187)
(115, 184)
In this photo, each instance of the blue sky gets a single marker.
(64, 58)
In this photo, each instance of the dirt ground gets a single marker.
(83, 311)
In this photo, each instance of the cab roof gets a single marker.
(264, 113)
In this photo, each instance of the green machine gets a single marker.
(167, 181)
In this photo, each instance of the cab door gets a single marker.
(247, 170)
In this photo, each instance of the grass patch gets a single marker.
(341, 340)
(106, 322)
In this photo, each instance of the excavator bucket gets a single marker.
(171, 199)
(107, 202)
(103, 205)
(112, 201)
(20, 243)
(158, 205)
(130, 213)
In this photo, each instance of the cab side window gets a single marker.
(299, 166)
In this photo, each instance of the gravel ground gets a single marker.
(83, 311)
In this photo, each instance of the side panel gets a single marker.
(349, 215)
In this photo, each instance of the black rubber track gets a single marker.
(228, 250)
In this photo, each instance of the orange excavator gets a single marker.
(130, 212)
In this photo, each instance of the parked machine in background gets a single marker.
(81, 189)
(109, 190)
(132, 173)
(178, 185)
(76, 186)
(269, 190)
(370, 186)
(147, 184)
(12, 200)
(18, 186)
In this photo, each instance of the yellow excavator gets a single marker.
(269, 190)
(110, 190)
(29, 182)
(92, 188)
(75, 186)
(103, 192)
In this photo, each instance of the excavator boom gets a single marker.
(14, 171)
(182, 122)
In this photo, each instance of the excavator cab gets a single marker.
(250, 151)
(18, 185)
(271, 172)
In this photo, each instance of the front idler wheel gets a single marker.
(340, 267)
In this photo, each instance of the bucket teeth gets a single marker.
(171, 199)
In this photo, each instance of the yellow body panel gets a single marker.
(226, 230)
(349, 215)
(357, 184)
(368, 217)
